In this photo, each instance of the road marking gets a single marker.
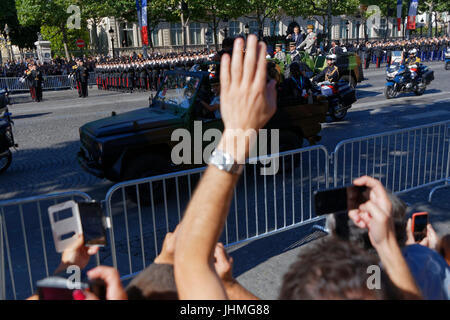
(426, 115)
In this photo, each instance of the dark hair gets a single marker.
(156, 282)
(333, 269)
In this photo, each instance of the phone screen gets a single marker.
(420, 226)
(337, 200)
(92, 223)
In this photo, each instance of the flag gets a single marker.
(399, 14)
(144, 23)
(412, 14)
(138, 9)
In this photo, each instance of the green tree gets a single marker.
(326, 9)
(261, 10)
(47, 13)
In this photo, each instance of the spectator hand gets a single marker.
(77, 254)
(431, 240)
(167, 254)
(114, 288)
(247, 101)
(375, 213)
(223, 264)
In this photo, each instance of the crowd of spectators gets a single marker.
(193, 265)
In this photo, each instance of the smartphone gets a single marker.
(92, 223)
(70, 219)
(419, 225)
(336, 200)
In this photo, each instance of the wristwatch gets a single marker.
(225, 162)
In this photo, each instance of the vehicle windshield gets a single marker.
(177, 91)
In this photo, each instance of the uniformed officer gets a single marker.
(279, 54)
(37, 80)
(330, 73)
(82, 77)
(309, 44)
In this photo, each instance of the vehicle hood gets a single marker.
(141, 119)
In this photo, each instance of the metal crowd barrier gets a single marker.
(26, 243)
(50, 83)
(143, 211)
(403, 160)
(438, 188)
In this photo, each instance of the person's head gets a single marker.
(294, 69)
(412, 53)
(278, 48)
(296, 30)
(310, 28)
(291, 46)
(331, 60)
(156, 282)
(333, 269)
(227, 44)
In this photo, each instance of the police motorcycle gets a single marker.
(6, 134)
(341, 96)
(447, 59)
(400, 79)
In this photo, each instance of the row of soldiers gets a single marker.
(127, 74)
(429, 49)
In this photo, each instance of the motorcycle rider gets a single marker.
(412, 62)
(330, 75)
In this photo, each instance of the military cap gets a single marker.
(310, 26)
(278, 45)
(292, 44)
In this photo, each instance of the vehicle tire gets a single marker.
(338, 115)
(389, 92)
(5, 161)
(447, 66)
(145, 166)
(420, 92)
(350, 79)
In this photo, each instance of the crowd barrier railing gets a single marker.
(403, 160)
(143, 211)
(27, 250)
(50, 83)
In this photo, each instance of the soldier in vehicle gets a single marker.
(279, 54)
(309, 44)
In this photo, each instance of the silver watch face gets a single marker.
(225, 162)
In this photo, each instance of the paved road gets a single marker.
(47, 133)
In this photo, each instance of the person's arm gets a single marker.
(375, 215)
(247, 102)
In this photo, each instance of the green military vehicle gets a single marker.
(349, 65)
(139, 144)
